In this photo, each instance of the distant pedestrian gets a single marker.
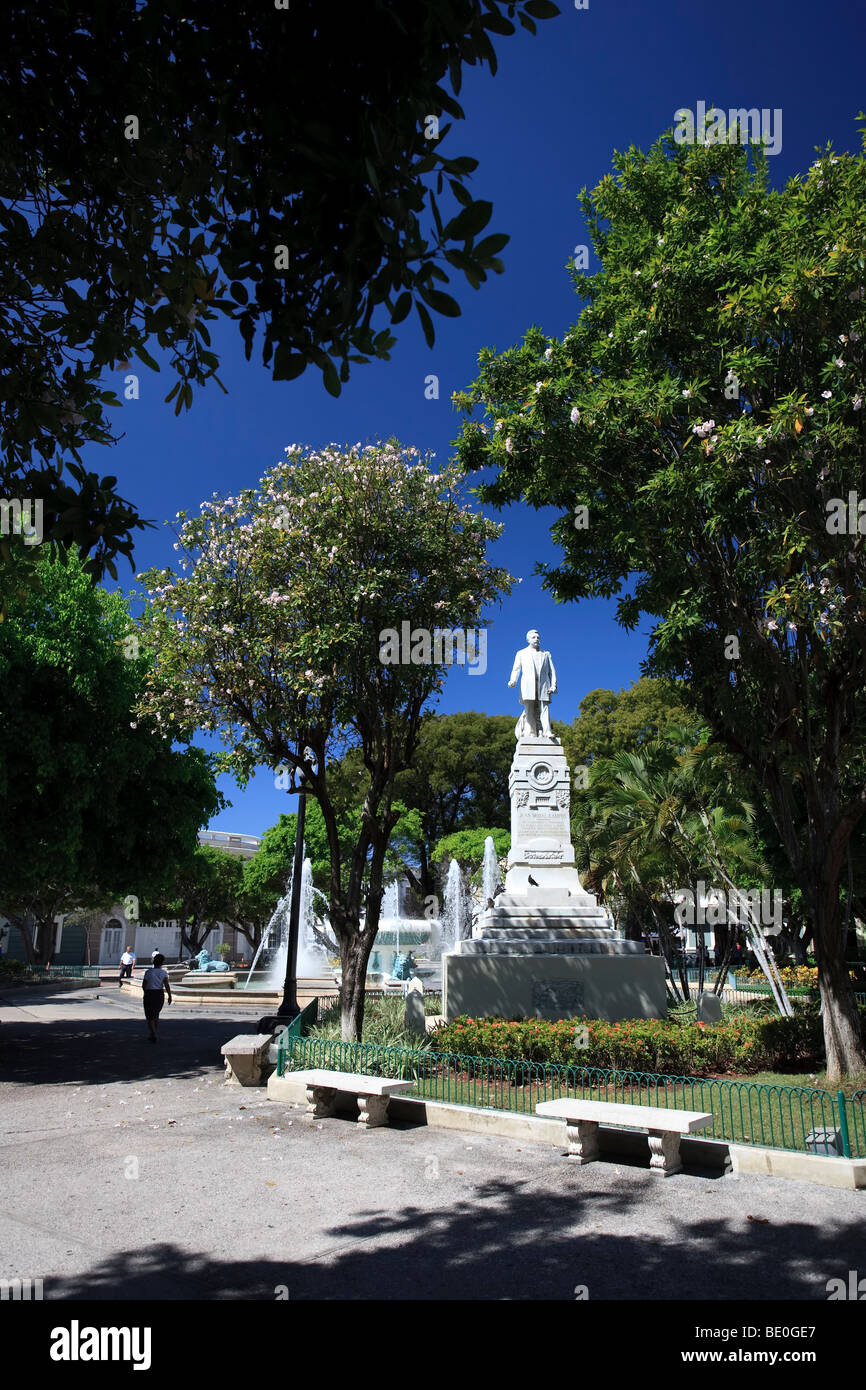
(155, 986)
(127, 961)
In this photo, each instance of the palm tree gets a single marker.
(667, 816)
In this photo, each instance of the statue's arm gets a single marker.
(552, 675)
(516, 669)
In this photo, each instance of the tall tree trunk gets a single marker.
(194, 935)
(843, 1042)
(22, 923)
(354, 954)
(817, 865)
(423, 884)
(355, 949)
(45, 931)
(633, 927)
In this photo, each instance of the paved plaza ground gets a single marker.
(236, 1196)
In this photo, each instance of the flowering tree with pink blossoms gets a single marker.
(271, 635)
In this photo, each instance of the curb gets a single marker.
(718, 1155)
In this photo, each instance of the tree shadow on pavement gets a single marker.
(98, 1051)
(509, 1241)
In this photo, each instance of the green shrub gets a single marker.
(741, 1044)
(384, 1023)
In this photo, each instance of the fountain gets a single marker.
(278, 927)
(266, 975)
(456, 911)
(390, 911)
(489, 873)
(312, 956)
(393, 925)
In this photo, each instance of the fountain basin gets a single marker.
(207, 979)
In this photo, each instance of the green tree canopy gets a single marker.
(660, 820)
(203, 892)
(459, 780)
(267, 873)
(279, 633)
(467, 847)
(95, 802)
(706, 410)
(164, 164)
(611, 722)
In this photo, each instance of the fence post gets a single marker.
(843, 1124)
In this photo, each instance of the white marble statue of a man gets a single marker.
(535, 670)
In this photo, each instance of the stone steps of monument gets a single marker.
(545, 898)
(551, 921)
(558, 933)
(561, 947)
(563, 908)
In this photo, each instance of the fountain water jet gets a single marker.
(489, 873)
(456, 910)
(312, 957)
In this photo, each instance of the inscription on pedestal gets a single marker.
(530, 824)
(564, 996)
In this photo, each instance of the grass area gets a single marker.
(383, 1022)
(808, 1081)
(768, 1112)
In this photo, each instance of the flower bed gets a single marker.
(740, 1045)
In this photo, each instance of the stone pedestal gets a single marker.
(546, 949)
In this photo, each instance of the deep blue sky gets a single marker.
(589, 82)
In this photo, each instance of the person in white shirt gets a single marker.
(127, 961)
(155, 986)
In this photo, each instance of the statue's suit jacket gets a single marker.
(524, 667)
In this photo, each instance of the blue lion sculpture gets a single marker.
(204, 962)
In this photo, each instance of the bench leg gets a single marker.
(665, 1151)
(582, 1140)
(373, 1111)
(321, 1100)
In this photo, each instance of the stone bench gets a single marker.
(373, 1093)
(247, 1060)
(666, 1128)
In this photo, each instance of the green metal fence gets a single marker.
(744, 1112)
(60, 972)
(300, 1025)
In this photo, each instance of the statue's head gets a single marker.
(533, 638)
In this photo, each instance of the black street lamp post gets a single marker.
(290, 1008)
